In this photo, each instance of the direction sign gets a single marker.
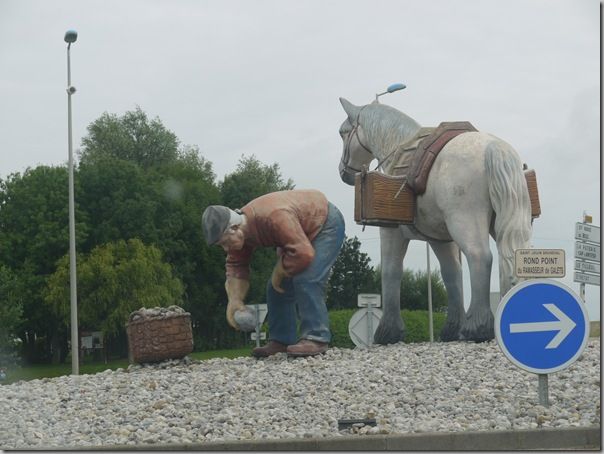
(587, 232)
(541, 326)
(362, 326)
(585, 251)
(369, 300)
(254, 336)
(540, 263)
(585, 278)
(260, 309)
(590, 267)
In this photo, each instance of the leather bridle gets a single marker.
(346, 155)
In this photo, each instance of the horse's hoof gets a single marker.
(449, 333)
(479, 335)
(388, 335)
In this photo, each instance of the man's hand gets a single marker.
(232, 307)
(277, 277)
(236, 290)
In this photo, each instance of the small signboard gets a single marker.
(254, 336)
(369, 300)
(586, 278)
(585, 251)
(589, 267)
(587, 232)
(540, 263)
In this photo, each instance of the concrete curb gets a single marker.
(578, 438)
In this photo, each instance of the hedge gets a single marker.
(416, 323)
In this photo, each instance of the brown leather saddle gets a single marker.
(414, 158)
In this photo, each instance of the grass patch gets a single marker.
(416, 323)
(38, 371)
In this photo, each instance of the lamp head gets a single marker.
(71, 36)
(395, 87)
(391, 89)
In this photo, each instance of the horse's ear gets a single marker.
(351, 110)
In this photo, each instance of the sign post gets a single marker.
(363, 323)
(260, 310)
(587, 253)
(542, 327)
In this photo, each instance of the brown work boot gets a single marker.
(269, 349)
(307, 347)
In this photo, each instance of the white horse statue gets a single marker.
(476, 187)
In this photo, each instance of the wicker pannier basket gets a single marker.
(153, 339)
(531, 182)
(382, 200)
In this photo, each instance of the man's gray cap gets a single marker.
(214, 221)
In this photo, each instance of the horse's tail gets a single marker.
(510, 199)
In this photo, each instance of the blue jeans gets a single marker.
(304, 295)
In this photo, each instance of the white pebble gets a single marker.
(446, 387)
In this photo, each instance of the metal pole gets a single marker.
(543, 390)
(257, 325)
(582, 291)
(430, 321)
(461, 276)
(370, 324)
(75, 369)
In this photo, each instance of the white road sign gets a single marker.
(369, 300)
(586, 251)
(587, 232)
(590, 267)
(585, 278)
(362, 326)
(253, 336)
(540, 263)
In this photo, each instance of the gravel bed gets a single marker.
(406, 388)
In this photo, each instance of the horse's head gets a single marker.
(355, 154)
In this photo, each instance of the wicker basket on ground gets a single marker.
(158, 334)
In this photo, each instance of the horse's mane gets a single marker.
(386, 128)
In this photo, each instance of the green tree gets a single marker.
(131, 137)
(11, 309)
(113, 280)
(34, 234)
(351, 275)
(414, 290)
(156, 190)
(250, 180)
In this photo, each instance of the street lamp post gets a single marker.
(391, 89)
(70, 37)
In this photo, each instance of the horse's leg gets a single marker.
(450, 269)
(393, 247)
(472, 236)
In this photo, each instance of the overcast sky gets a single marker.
(263, 78)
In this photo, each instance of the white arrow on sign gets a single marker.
(564, 326)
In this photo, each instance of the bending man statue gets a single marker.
(307, 231)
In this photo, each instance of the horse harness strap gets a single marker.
(354, 132)
(413, 160)
(415, 157)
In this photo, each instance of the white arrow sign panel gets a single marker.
(590, 267)
(587, 232)
(586, 278)
(563, 325)
(587, 251)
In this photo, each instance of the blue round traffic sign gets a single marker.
(541, 326)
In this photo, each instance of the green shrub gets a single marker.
(416, 323)
(338, 323)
